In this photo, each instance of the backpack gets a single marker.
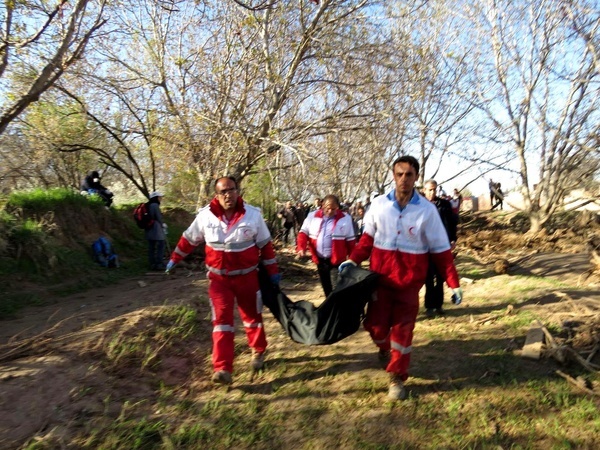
(141, 215)
(104, 254)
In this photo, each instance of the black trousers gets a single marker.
(434, 288)
(156, 253)
(107, 197)
(326, 270)
(286, 231)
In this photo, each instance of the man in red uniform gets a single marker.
(401, 230)
(237, 239)
(328, 233)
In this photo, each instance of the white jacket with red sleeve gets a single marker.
(342, 239)
(233, 247)
(400, 242)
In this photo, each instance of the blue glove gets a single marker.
(457, 296)
(347, 263)
(276, 279)
(170, 266)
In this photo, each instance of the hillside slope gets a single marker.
(45, 246)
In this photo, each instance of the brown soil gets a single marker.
(52, 379)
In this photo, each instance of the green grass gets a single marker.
(50, 199)
(31, 252)
(131, 433)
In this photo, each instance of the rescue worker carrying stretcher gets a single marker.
(402, 230)
(237, 239)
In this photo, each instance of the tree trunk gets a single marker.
(535, 222)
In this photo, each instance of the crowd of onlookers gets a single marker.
(292, 215)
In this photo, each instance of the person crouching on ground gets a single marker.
(402, 229)
(237, 239)
(91, 185)
(329, 235)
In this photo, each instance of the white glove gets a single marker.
(457, 296)
(345, 264)
(165, 228)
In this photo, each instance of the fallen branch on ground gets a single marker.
(579, 383)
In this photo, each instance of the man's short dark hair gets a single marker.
(412, 161)
(227, 177)
(332, 198)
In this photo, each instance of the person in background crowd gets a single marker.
(434, 284)
(156, 234)
(492, 186)
(306, 211)
(359, 221)
(402, 229)
(287, 220)
(456, 202)
(91, 185)
(354, 208)
(441, 192)
(367, 204)
(237, 240)
(329, 235)
(299, 216)
(499, 196)
(316, 204)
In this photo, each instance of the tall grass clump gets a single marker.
(142, 344)
(50, 199)
(23, 244)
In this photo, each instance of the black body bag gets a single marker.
(338, 317)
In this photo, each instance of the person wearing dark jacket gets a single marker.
(287, 216)
(155, 235)
(91, 185)
(434, 283)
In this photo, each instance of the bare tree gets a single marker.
(538, 90)
(37, 45)
(216, 90)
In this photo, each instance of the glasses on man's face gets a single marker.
(225, 192)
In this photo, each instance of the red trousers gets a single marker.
(390, 320)
(223, 292)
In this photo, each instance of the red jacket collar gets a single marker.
(338, 214)
(217, 210)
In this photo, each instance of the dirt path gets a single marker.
(185, 287)
(83, 309)
(567, 267)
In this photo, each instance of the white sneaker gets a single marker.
(397, 390)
